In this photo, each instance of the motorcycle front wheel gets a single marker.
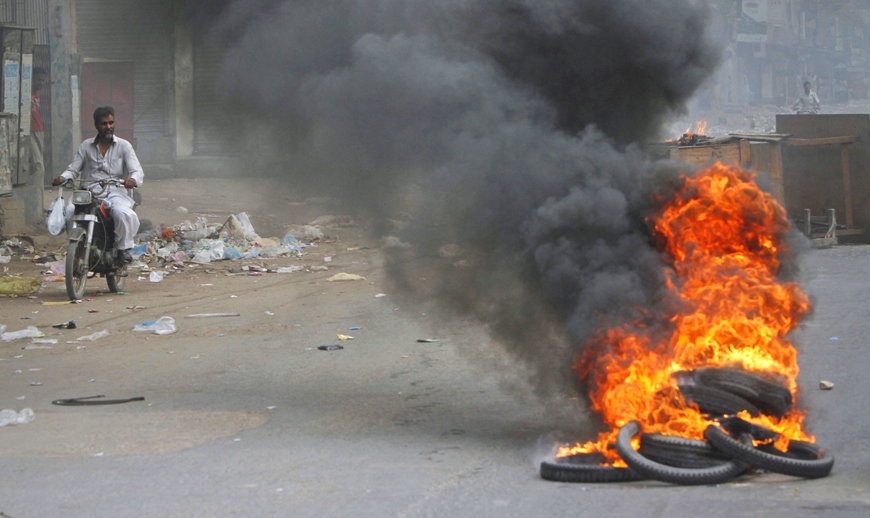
(116, 282)
(76, 269)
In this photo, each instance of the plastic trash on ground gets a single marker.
(145, 326)
(11, 417)
(30, 332)
(345, 277)
(139, 251)
(164, 326)
(156, 276)
(95, 336)
(232, 253)
(19, 285)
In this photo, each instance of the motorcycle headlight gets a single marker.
(81, 197)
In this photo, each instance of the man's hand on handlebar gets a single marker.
(130, 183)
(57, 181)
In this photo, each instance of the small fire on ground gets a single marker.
(725, 237)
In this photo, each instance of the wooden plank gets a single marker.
(745, 153)
(820, 141)
(706, 155)
(776, 172)
(762, 137)
(847, 184)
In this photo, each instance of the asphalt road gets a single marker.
(246, 417)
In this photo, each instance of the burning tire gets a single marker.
(802, 459)
(671, 474)
(680, 452)
(586, 468)
(771, 398)
(711, 400)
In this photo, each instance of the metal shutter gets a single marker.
(215, 129)
(141, 32)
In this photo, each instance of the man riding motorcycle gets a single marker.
(107, 157)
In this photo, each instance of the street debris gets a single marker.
(330, 347)
(380, 295)
(30, 332)
(355, 328)
(213, 315)
(427, 341)
(157, 276)
(344, 337)
(94, 336)
(161, 326)
(93, 400)
(19, 285)
(826, 385)
(345, 277)
(69, 324)
(11, 417)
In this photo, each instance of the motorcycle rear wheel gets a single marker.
(76, 269)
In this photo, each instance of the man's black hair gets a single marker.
(808, 83)
(103, 111)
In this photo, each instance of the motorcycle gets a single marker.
(90, 250)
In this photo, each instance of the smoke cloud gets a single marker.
(517, 121)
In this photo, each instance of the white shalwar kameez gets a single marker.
(119, 163)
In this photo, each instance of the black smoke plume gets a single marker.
(518, 122)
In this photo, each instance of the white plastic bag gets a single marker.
(164, 326)
(56, 221)
(30, 332)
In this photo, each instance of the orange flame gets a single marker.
(725, 237)
(701, 128)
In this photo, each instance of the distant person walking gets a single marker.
(808, 102)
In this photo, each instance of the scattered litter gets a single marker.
(134, 308)
(69, 324)
(345, 277)
(145, 326)
(427, 341)
(93, 400)
(319, 269)
(203, 285)
(93, 311)
(355, 328)
(11, 417)
(34, 347)
(95, 336)
(327, 259)
(19, 285)
(271, 407)
(380, 295)
(181, 210)
(212, 315)
(834, 338)
(290, 269)
(35, 383)
(156, 276)
(50, 341)
(57, 303)
(331, 347)
(826, 385)
(270, 313)
(344, 337)
(30, 332)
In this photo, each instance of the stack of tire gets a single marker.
(729, 449)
